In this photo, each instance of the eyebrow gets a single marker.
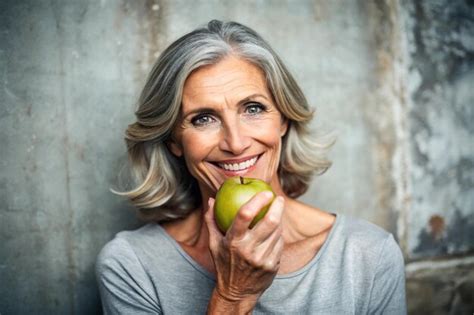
(212, 110)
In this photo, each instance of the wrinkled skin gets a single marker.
(247, 260)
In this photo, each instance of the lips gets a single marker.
(238, 165)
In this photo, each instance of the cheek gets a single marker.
(271, 141)
(269, 134)
(196, 146)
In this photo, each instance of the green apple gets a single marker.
(233, 194)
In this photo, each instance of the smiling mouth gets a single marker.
(241, 166)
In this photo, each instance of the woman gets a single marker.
(220, 103)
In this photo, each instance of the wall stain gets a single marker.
(388, 96)
(60, 17)
(84, 8)
(28, 110)
(80, 151)
(319, 10)
(437, 226)
(151, 32)
(441, 238)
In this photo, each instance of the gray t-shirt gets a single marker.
(358, 270)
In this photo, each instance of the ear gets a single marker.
(174, 147)
(284, 126)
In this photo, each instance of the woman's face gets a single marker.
(229, 125)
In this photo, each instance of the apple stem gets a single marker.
(241, 180)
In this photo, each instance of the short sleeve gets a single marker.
(124, 285)
(388, 290)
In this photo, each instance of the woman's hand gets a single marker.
(246, 260)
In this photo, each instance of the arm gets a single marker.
(246, 260)
(388, 291)
(123, 284)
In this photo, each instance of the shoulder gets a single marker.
(370, 260)
(125, 248)
(362, 231)
(122, 262)
(375, 254)
(368, 241)
(124, 282)
(116, 254)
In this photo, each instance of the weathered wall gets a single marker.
(392, 78)
(440, 120)
(441, 127)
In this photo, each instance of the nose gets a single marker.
(234, 138)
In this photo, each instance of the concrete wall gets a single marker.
(392, 78)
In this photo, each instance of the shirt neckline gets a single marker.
(303, 269)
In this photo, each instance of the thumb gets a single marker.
(215, 234)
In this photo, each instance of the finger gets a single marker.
(267, 247)
(273, 247)
(248, 211)
(270, 222)
(268, 255)
(214, 232)
(264, 251)
(274, 255)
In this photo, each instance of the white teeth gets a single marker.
(240, 166)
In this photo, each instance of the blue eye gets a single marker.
(202, 120)
(255, 108)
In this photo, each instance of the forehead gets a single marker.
(231, 79)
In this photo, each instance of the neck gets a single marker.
(190, 231)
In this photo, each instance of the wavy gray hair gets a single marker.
(163, 187)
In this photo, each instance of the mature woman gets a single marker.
(220, 103)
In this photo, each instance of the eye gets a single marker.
(255, 108)
(202, 120)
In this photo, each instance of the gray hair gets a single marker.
(163, 187)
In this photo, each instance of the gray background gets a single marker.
(394, 79)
